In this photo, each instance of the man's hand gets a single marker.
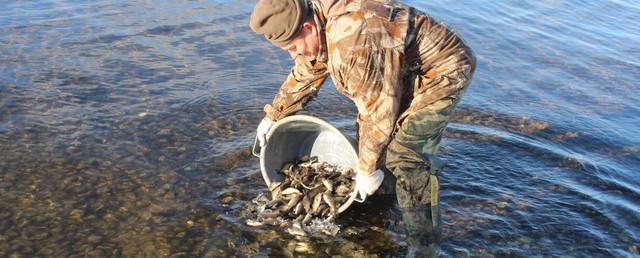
(367, 185)
(263, 128)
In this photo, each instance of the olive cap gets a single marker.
(279, 20)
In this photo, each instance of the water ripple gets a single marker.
(122, 124)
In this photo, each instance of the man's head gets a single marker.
(288, 24)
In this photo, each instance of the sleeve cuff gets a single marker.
(272, 113)
(367, 167)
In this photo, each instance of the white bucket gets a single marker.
(296, 136)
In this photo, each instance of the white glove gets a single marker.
(263, 129)
(367, 185)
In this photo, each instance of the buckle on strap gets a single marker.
(382, 10)
(435, 165)
(392, 13)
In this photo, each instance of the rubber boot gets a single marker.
(422, 237)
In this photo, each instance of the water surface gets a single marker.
(124, 127)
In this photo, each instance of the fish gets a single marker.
(291, 204)
(328, 184)
(299, 208)
(270, 213)
(296, 230)
(309, 189)
(342, 190)
(317, 201)
(328, 199)
(291, 190)
(306, 203)
(254, 223)
(274, 185)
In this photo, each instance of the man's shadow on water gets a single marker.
(414, 226)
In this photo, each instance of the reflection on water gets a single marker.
(125, 130)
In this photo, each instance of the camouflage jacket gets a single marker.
(366, 49)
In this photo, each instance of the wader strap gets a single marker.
(435, 196)
(435, 167)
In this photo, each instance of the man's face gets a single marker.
(306, 44)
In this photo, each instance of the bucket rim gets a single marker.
(309, 118)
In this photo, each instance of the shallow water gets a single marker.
(124, 127)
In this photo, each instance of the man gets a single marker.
(404, 71)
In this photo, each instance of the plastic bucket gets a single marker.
(296, 136)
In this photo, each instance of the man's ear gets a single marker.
(311, 27)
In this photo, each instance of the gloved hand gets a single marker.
(263, 129)
(367, 185)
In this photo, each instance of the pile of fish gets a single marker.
(310, 193)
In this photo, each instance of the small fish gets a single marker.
(291, 204)
(333, 206)
(298, 209)
(322, 209)
(254, 223)
(275, 194)
(272, 222)
(306, 203)
(309, 190)
(347, 172)
(274, 185)
(343, 190)
(269, 214)
(287, 168)
(328, 184)
(307, 218)
(291, 190)
(272, 204)
(319, 166)
(317, 201)
(296, 230)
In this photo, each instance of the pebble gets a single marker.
(146, 215)
(350, 231)
(41, 236)
(94, 239)
(231, 244)
(76, 214)
(165, 131)
(302, 247)
(378, 229)
(226, 200)
(47, 251)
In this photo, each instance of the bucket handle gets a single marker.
(255, 150)
(356, 196)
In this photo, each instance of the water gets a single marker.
(126, 125)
